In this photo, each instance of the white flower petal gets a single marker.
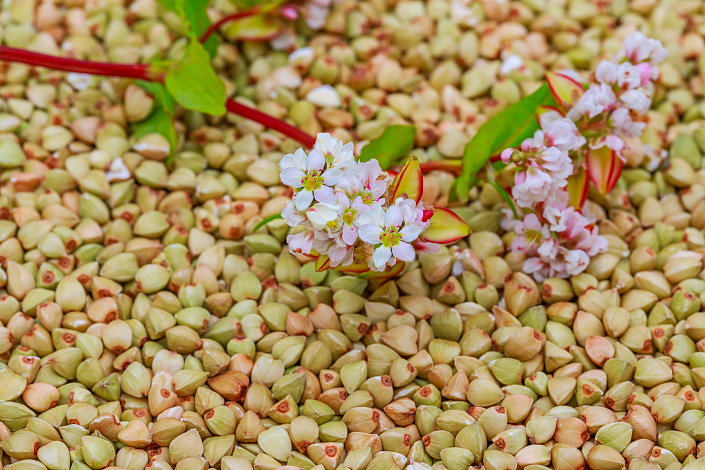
(381, 256)
(410, 233)
(316, 160)
(292, 177)
(325, 194)
(404, 251)
(303, 199)
(370, 233)
(332, 177)
(394, 217)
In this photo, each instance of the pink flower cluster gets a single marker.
(621, 91)
(543, 163)
(341, 205)
(558, 240)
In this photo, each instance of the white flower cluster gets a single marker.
(557, 240)
(342, 205)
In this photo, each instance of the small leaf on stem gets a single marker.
(577, 189)
(603, 168)
(193, 82)
(408, 182)
(161, 119)
(394, 143)
(194, 15)
(564, 89)
(446, 227)
(322, 263)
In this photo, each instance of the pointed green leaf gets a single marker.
(394, 143)
(193, 82)
(161, 119)
(194, 15)
(507, 129)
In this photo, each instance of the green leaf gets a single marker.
(266, 221)
(193, 82)
(507, 129)
(160, 94)
(194, 15)
(394, 143)
(161, 119)
(196, 11)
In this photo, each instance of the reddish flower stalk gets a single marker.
(238, 15)
(271, 122)
(137, 71)
(143, 72)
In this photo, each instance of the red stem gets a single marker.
(495, 158)
(238, 15)
(138, 71)
(144, 72)
(271, 122)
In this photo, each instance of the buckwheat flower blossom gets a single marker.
(368, 182)
(531, 186)
(639, 48)
(389, 234)
(350, 211)
(337, 155)
(636, 100)
(561, 133)
(599, 98)
(557, 240)
(301, 243)
(309, 177)
(623, 124)
(611, 141)
(625, 75)
(324, 217)
(576, 261)
(541, 170)
(531, 233)
(293, 216)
